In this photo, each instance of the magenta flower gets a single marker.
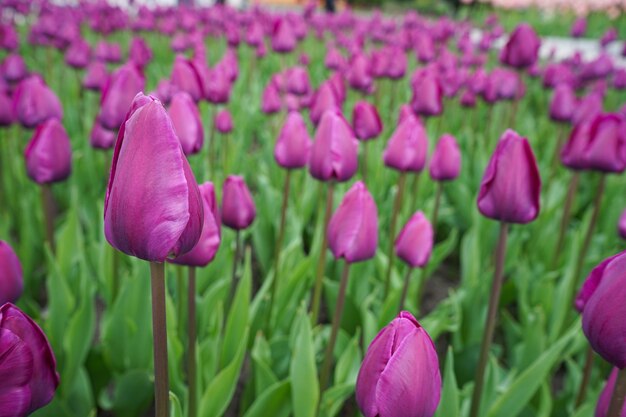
(294, 143)
(118, 94)
(14, 68)
(563, 103)
(334, 152)
(96, 76)
(34, 102)
(187, 122)
(407, 148)
(238, 209)
(522, 48)
(445, 163)
(415, 242)
(366, 121)
(186, 77)
(49, 153)
(604, 401)
(223, 121)
(101, 138)
(78, 54)
(11, 278)
(621, 226)
(427, 96)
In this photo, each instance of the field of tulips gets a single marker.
(218, 212)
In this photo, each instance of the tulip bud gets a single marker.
(96, 76)
(49, 153)
(270, 101)
(353, 228)
(414, 244)
(217, 86)
(139, 52)
(522, 48)
(35, 103)
(293, 144)
(101, 138)
(298, 81)
(563, 103)
(445, 164)
(510, 187)
(358, 75)
(14, 68)
(118, 94)
(400, 375)
(153, 208)
(185, 76)
(604, 309)
(407, 148)
(588, 107)
(187, 122)
(204, 252)
(283, 38)
(427, 94)
(366, 121)
(11, 279)
(325, 99)
(78, 54)
(334, 152)
(604, 401)
(606, 149)
(27, 363)
(223, 121)
(238, 209)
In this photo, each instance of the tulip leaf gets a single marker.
(302, 370)
(237, 321)
(176, 409)
(334, 398)
(349, 362)
(449, 403)
(274, 401)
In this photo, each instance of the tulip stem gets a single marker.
(567, 211)
(47, 202)
(279, 242)
(233, 280)
(191, 348)
(328, 357)
(416, 188)
(364, 162)
(317, 290)
(159, 332)
(180, 300)
(559, 145)
(491, 320)
(115, 282)
(405, 288)
(436, 206)
(582, 391)
(619, 395)
(211, 139)
(397, 204)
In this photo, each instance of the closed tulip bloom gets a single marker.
(591, 284)
(588, 107)
(563, 103)
(399, 376)
(34, 102)
(217, 86)
(353, 228)
(427, 96)
(238, 209)
(445, 163)
(522, 48)
(139, 52)
(358, 75)
(414, 244)
(11, 278)
(606, 149)
(224, 121)
(49, 153)
(579, 27)
(621, 226)
(270, 100)
(96, 76)
(153, 208)
(204, 252)
(298, 81)
(405, 112)
(604, 309)
(27, 364)
(293, 144)
(334, 152)
(573, 153)
(510, 187)
(325, 99)
(334, 60)
(185, 77)
(14, 68)
(118, 94)
(283, 38)
(78, 54)
(7, 117)
(101, 138)
(468, 99)
(366, 121)
(407, 148)
(187, 122)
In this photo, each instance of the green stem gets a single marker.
(582, 390)
(233, 280)
(436, 206)
(191, 352)
(115, 262)
(159, 332)
(491, 321)
(211, 140)
(364, 161)
(567, 212)
(47, 202)
(180, 299)
(619, 395)
(559, 145)
(416, 188)
(397, 204)
(405, 288)
(279, 242)
(328, 357)
(317, 290)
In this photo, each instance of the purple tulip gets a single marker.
(468, 99)
(270, 100)
(49, 153)
(619, 79)
(238, 209)
(11, 279)
(153, 208)
(555, 74)
(118, 94)
(7, 117)
(599, 144)
(407, 148)
(14, 68)
(604, 308)
(588, 107)
(139, 52)
(609, 36)
(366, 121)
(204, 252)
(445, 163)
(298, 81)
(325, 99)
(400, 375)
(353, 228)
(187, 122)
(101, 138)
(334, 152)
(563, 103)
(334, 60)
(217, 86)
(405, 112)
(414, 244)
(96, 76)
(510, 188)
(604, 401)
(27, 364)
(427, 95)
(522, 48)
(185, 76)
(358, 74)
(579, 28)
(34, 102)
(283, 37)
(293, 144)
(223, 121)
(78, 54)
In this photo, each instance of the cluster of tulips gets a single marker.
(155, 210)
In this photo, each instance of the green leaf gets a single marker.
(334, 398)
(449, 404)
(303, 371)
(176, 410)
(273, 402)
(349, 363)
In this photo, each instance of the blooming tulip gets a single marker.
(509, 190)
(14, 68)
(445, 164)
(101, 138)
(217, 86)
(298, 81)
(118, 94)
(270, 100)
(415, 241)
(359, 76)
(293, 144)
(78, 54)
(427, 95)
(96, 76)
(204, 252)
(223, 121)
(353, 228)
(49, 153)
(563, 103)
(407, 147)
(153, 208)
(6, 110)
(283, 38)
(238, 209)
(606, 149)
(522, 48)
(366, 121)
(334, 152)
(186, 77)
(187, 122)
(139, 52)
(11, 279)
(27, 364)
(400, 375)
(326, 99)
(35, 103)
